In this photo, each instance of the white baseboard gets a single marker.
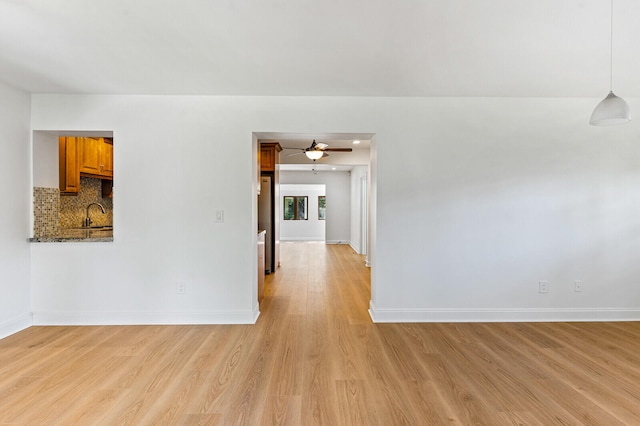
(292, 239)
(502, 315)
(256, 312)
(354, 247)
(144, 318)
(336, 242)
(14, 325)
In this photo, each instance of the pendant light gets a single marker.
(611, 110)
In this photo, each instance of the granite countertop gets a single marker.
(86, 235)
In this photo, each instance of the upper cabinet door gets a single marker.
(269, 156)
(106, 158)
(90, 156)
(96, 157)
(69, 154)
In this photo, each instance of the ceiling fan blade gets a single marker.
(288, 147)
(295, 153)
(338, 149)
(324, 154)
(321, 145)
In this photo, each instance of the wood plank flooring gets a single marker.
(314, 357)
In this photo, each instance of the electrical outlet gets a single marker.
(543, 286)
(180, 288)
(219, 216)
(577, 286)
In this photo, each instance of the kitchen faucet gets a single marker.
(87, 220)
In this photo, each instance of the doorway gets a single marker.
(348, 196)
(317, 277)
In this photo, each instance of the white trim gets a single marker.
(354, 247)
(372, 310)
(144, 318)
(291, 239)
(502, 315)
(336, 242)
(256, 312)
(14, 325)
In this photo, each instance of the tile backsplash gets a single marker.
(52, 211)
(73, 209)
(46, 212)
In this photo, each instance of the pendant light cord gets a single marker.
(611, 51)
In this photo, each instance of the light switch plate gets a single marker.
(543, 286)
(219, 216)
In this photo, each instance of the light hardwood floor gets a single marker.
(314, 357)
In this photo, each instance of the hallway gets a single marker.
(316, 277)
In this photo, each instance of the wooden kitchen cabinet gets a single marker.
(91, 157)
(107, 157)
(269, 153)
(68, 156)
(107, 188)
(96, 157)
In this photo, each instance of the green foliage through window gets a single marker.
(322, 207)
(295, 208)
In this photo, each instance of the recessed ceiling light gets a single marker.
(333, 168)
(356, 142)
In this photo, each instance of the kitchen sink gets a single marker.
(94, 228)
(91, 232)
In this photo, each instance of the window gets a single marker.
(295, 208)
(322, 207)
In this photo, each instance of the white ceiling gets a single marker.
(294, 160)
(541, 48)
(314, 168)
(304, 140)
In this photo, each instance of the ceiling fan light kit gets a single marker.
(612, 110)
(314, 155)
(317, 150)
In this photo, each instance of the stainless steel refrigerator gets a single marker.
(266, 219)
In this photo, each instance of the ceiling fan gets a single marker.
(317, 150)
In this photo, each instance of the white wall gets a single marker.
(477, 200)
(311, 229)
(338, 192)
(45, 161)
(355, 239)
(486, 197)
(15, 211)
